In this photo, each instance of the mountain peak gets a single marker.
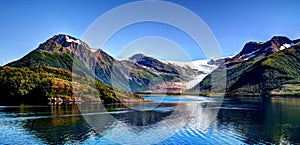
(64, 39)
(62, 43)
(281, 39)
(249, 48)
(137, 57)
(259, 49)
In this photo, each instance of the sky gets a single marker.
(26, 24)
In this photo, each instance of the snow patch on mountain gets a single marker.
(249, 55)
(72, 40)
(195, 81)
(201, 65)
(284, 46)
(93, 50)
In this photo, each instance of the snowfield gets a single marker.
(201, 65)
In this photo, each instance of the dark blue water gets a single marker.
(167, 120)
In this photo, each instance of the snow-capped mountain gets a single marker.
(259, 49)
(140, 74)
(159, 67)
(261, 68)
(184, 69)
(204, 68)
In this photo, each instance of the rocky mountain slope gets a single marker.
(69, 53)
(260, 68)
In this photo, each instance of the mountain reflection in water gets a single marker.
(167, 120)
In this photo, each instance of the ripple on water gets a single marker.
(238, 122)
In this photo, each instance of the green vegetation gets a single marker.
(140, 77)
(37, 84)
(287, 90)
(43, 58)
(56, 52)
(260, 76)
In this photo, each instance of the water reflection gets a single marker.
(268, 120)
(52, 124)
(65, 125)
(151, 122)
(240, 121)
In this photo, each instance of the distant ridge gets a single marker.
(261, 68)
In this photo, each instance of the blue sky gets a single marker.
(26, 24)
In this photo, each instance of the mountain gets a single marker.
(153, 63)
(69, 53)
(258, 50)
(57, 52)
(40, 84)
(164, 69)
(204, 68)
(268, 68)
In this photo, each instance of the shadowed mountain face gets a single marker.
(261, 68)
(153, 64)
(69, 53)
(257, 50)
(166, 70)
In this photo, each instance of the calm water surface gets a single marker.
(167, 120)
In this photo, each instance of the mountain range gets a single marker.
(261, 68)
(136, 74)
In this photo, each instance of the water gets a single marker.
(167, 120)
